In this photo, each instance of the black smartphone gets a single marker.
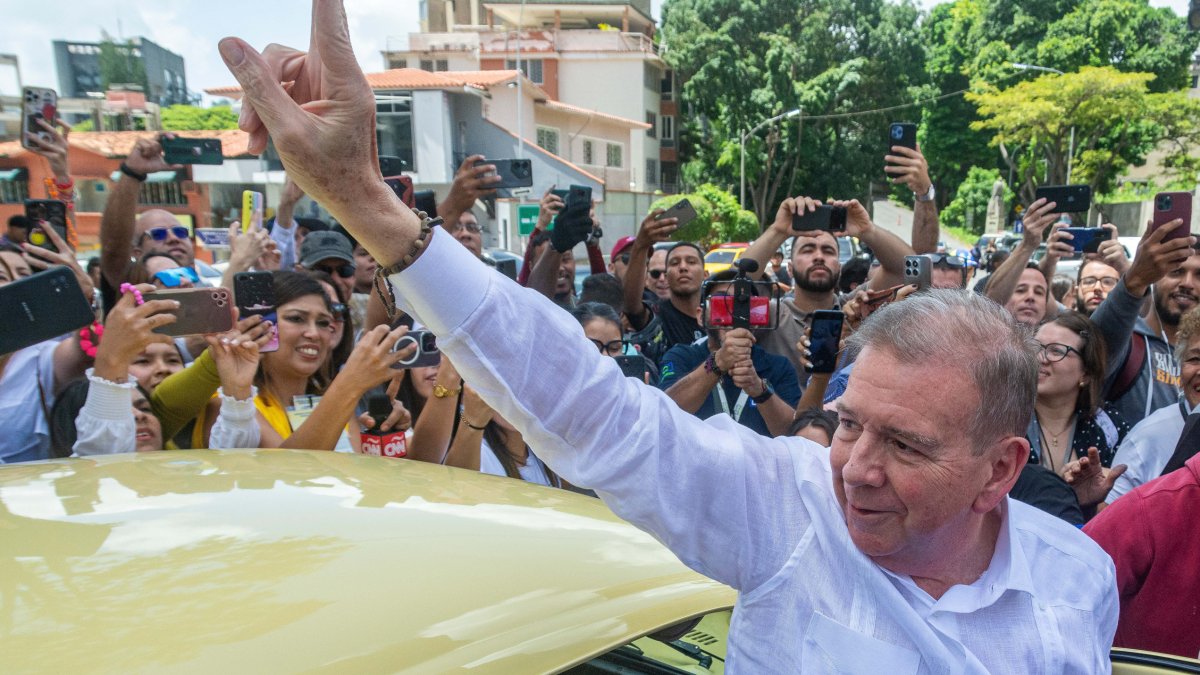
(426, 200)
(180, 150)
(918, 269)
(632, 365)
(403, 187)
(427, 353)
(38, 104)
(391, 166)
(1081, 237)
(1066, 198)
(683, 210)
(903, 134)
(513, 172)
(52, 212)
(825, 338)
(254, 294)
(826, 218)
(40, 307)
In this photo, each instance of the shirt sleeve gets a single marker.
(1115, 318)
(285, 239)
(784, 380)
(105, 424)
(723, 498)
(236, 425)
(675, 365)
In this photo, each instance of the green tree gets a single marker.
(968, 209)
(719, 218)
(189, 117)
(1117, 121)
(118, 65)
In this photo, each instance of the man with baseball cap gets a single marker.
(329, 252)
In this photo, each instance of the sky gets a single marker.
(192, 28)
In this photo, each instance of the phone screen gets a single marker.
(825, 340)
(254, 293)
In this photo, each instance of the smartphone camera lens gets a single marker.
(1164, 203)
(897, 132)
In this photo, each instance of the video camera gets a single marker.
(748, 304)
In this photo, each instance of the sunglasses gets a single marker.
(655, 274)
(344, 271)
(160, 233)
(174, 277)
(340, 311)
(949, 260)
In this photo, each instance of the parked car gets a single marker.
(504, 260)
(723, 256)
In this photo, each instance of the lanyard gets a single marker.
(738, 407)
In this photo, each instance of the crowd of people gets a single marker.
(1089, 389)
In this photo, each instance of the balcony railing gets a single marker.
(504, 42)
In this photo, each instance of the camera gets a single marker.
(427, 353)
(1164, 202)
(748, 304)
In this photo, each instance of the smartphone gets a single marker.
(877, 299)
(252, 210)
(41, 307)
(38, 104)
(918, 269)
(1066, 198)
(213, 237)
(826, 218)
(825, 338)
(427, 353)
(903, 134)
(426, 200)
(720, 311)
(191, 150)
(513, 172)
(254, 294)
(1082, 236)
(201, 311)
(633, 365)
(391, 166)
(1171, 205)
(683, 210)
(403, 187)
(52, 212)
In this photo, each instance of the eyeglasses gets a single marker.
(1055, 352)
(472, 227)
(614, 348)
(1107, 283)
(344, 271)
(160, 233)
(175, 276)
(655, 274)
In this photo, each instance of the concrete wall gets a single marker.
(432, 137)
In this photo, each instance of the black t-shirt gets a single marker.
(678, 328)
(1046, 490)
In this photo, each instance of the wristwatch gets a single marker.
(441, 392)
(767, 392)
(927, 197)
(139, 177)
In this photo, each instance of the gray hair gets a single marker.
(963, 332)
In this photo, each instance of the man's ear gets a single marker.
(1005, 460)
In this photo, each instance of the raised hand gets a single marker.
(470, 183)
(236, 356)
(129, 329)
(1037, 218)
(909, 167)
(370, 364)
(147, 156)
(1112, 252)
(1155, 258)
(43, 258)
(793, 206)
(654, 229)
(1091, 481)
(55, 149)
(550, 206)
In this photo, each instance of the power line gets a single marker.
(858, 113)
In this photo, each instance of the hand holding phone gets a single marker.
(179, 150)
(40, 307)
(1066, 198)
(426, 354)
(1171, 206)
(512, 172)
(825, 340)
(918, 269)
(825, 218)
(38, 103)
(902, 134)
(254, 293)
(46, 213)
(201, 311)
(1083, 237)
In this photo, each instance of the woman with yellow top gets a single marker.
(306, 332)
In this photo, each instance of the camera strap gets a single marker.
(738, 408)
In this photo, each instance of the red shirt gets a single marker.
(1153, 536)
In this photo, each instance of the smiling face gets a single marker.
(1178, 292)
(1059, 378)
(154, 364)
(423, 380)
(815, 265)
(565, 283)
(179, 249)
(903, 471)
(305, 330)
(1028, 302)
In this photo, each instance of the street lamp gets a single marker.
(1071, 150)
(783, 116)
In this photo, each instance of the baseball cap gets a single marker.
(320, 246)
(622, 244)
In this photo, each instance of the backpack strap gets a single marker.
(1133, 366)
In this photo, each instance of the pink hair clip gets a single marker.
(137, 295)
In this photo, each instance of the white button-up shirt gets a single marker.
(757, 513)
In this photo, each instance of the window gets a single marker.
(613, 160)
(438, 66)
(547, 139)
(531, 67)
(668, 86)
(589, 153)
(443, 65)
(168, 193)
(14, 186)
(393, 127)
(670, 177)
(651, 77)
(652, 172)
(668, 127)
(652, 120)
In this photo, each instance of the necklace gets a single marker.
(1054, 441)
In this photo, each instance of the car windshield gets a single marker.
(845, 250)
(721, 256)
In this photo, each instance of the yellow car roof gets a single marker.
(274, 560)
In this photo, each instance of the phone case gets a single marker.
(513, 172)
(903, 134)
(403, 187)
(252, 209)
(52, 211)
(918, 269)
(254, 293)
(390, 166)
(633, 365)
(826, 218)
(40, 307)
(201, 311)
(825, 339)
(1082, 236)
(1066, 198)
(427, 350)
(426, 200)
(192, 150)
(38, 104)
(1171, 205)
(683, 210)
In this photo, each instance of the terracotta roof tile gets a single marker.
(414, 78)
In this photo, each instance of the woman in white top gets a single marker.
(486, 442)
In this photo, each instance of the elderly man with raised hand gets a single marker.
(895, 551)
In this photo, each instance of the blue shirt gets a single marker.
(684, 358)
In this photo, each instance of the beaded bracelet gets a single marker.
(418, 246)
(137, 295)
